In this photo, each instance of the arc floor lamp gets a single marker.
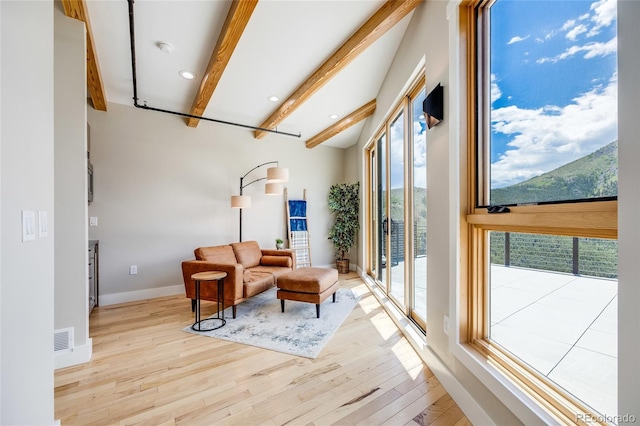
(276, 176)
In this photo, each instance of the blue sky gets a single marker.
(419, 148)
(553, 84)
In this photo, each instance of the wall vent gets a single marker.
(63, 340)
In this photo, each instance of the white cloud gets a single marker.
(569, 24)
(602, 49)
(517, 39)
(396, 153)
(546, 138)
(419, 156)
(496, 93)
(591, 50)
(602, 14)
(605, 12)
(576, 31)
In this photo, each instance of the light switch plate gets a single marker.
(28, 225)
(93, 221)
(43, 225)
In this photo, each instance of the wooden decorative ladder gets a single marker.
(298, 230)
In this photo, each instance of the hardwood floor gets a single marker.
(145, 370)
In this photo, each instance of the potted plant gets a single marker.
(279, 243)
(344, 201)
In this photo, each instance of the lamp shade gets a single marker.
(273, 188)
(240, 201)
(277, 174)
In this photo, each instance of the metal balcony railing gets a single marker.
(593, 257)
(397, 239)
(580, 256)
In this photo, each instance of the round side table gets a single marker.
(210, 276)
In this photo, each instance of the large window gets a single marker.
(552, 95)
(542, 273)
(397, 206)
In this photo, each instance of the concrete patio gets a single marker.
(562, 325)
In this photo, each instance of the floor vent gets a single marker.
(63, 340)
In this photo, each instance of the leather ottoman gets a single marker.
(310, 285)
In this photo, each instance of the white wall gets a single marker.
(353, 173)
(163, 189)
(27, 268)
(628, 208)
(70, 92)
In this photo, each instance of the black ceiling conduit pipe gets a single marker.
(135, 90)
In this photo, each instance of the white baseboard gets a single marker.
(77, 355)
(352, 267)
(133, 296)
(469, 406)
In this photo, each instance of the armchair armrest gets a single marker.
(232, 283)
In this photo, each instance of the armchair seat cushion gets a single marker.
(260, 281)
(274, 271)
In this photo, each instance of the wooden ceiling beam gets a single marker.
(382, 21)
(77, 9)
(342, 125)
(237, 19)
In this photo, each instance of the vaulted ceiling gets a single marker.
(324, 60)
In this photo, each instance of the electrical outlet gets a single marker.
(133, 269)
(445, 325)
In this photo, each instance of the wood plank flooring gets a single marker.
(146, 370)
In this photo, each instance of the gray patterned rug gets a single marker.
(260, 322)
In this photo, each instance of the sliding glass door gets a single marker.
(397, 207)
(378, 211)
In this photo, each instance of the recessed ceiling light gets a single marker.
(189, 75)
(273, 98)
(333, 116)
(165, 47)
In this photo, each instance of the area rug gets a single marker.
(260, 322)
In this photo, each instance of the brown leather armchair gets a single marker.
(250, 270)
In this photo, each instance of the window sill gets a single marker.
(512, 396)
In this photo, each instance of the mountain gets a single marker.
(594, 175)
(398, 204)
